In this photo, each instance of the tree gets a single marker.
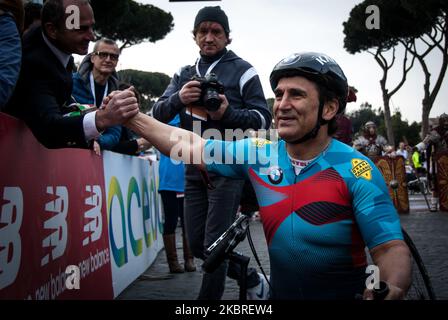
(413, 133)
(130, 22)
(434, 38)
(408, 23)
(151, 85)
(403, 131)
(378, 42)
(363, 114)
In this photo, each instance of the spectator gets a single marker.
(11, 26)
(370, 143)
(130, 144)
(95, 79)
(45, 83)
(409, 152)
(344, 132)
(416, 162)
(402, 151)
(435, 142)
(171, 189)
(32, 16)
(208, 213)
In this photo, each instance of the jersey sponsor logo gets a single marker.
(275, 175)
(361, 169)
(260, 143)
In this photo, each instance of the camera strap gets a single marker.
(210, 68)
(92, 89)
(204, 174)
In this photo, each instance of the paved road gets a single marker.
(428, 230)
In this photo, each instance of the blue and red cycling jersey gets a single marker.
(318, 223)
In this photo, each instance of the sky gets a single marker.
(265, 31)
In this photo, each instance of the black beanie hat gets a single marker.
(215, 14)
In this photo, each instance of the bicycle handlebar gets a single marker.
(378, 294)
(382, 292)
(219, 250)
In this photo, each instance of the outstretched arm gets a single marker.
(173, 142)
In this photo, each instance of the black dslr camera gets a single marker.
(211, 88)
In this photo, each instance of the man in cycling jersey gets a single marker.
(321, 202)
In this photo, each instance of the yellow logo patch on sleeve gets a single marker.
(361, 169)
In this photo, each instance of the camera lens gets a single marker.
(212, 101)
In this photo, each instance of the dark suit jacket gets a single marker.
(43, 88)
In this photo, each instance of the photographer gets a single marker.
(208, 213)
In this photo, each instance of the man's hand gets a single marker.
(217, 115)
(190, 92)
(96, 148)
(143, 144)
(393, 258)
(395, 293)
(117, 108)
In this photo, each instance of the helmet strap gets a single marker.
(313, 133)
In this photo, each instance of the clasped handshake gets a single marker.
(117, 108)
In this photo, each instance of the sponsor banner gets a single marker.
(54, 241)
(134, 216)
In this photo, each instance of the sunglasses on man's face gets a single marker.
(104, 55)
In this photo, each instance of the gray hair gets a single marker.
(106, 41)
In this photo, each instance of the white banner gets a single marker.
(134, 216)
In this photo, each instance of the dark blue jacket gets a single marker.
(10, 57)
(83, 94)
(247, 104)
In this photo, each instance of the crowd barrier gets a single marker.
(73, 225)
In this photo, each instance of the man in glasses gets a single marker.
(95, 79)
(96, 76)
(45, 83)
